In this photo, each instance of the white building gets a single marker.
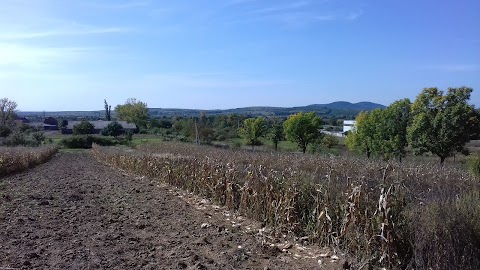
(348, 125)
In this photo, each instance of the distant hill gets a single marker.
(351, 106)
(339, 109)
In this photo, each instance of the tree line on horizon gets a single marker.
(437, 122)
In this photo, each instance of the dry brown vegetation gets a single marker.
(16, 159)
(397, 215)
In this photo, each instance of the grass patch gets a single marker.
(145, 139)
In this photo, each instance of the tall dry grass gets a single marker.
(385, 214)
(16, 159)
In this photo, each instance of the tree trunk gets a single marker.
(276, 146)
(442, 160)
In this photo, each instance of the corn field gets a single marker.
(16, 159)
(383, 214)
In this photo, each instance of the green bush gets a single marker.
(5, 131)
(103, 141)
(76, 142)
(83, 128)
(330, 141)
(16, 139)
(129, 136)
(113, 129)
(85, 142)
(38, 137)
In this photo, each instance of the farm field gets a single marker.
(76, 213)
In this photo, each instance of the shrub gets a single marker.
(113, 129)
(129, 136)
(38, 137)
(83, 128)
(25, 128)
(5, 131)
(16, 139)
(76, 142)
(85, 142)
(102, 141)
(329, 141)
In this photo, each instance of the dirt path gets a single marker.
(75, 213)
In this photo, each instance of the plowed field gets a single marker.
(76, 213)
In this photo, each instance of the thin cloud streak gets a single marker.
(293, 6)
(18, 35)
(238, 2)
(119, 6)
(28, 57)
(454, 68)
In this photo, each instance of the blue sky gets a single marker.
(72, 54)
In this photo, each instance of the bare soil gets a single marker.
(76, 213)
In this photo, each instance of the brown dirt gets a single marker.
(75, 213)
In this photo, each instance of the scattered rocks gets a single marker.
(205, 225)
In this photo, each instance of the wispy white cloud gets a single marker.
(295, 19)
(39, 37)
(353, 15)
(118, 5)
(18, 56)
(238, 2)
(287, 7)
(454, 67)
(72, 31)
(292, 14)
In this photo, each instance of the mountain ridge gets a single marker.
(338, 109)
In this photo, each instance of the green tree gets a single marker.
(303, 128)
(63, 124)
(7, 111)
(359, 138)
(133, 111)
(276, 133)
(108, 110)
(83, 128)
(253, 129)
(206, 134)
(442, 123)
(382, 132)
(50, 121)
(397, 118)
(113, 129)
